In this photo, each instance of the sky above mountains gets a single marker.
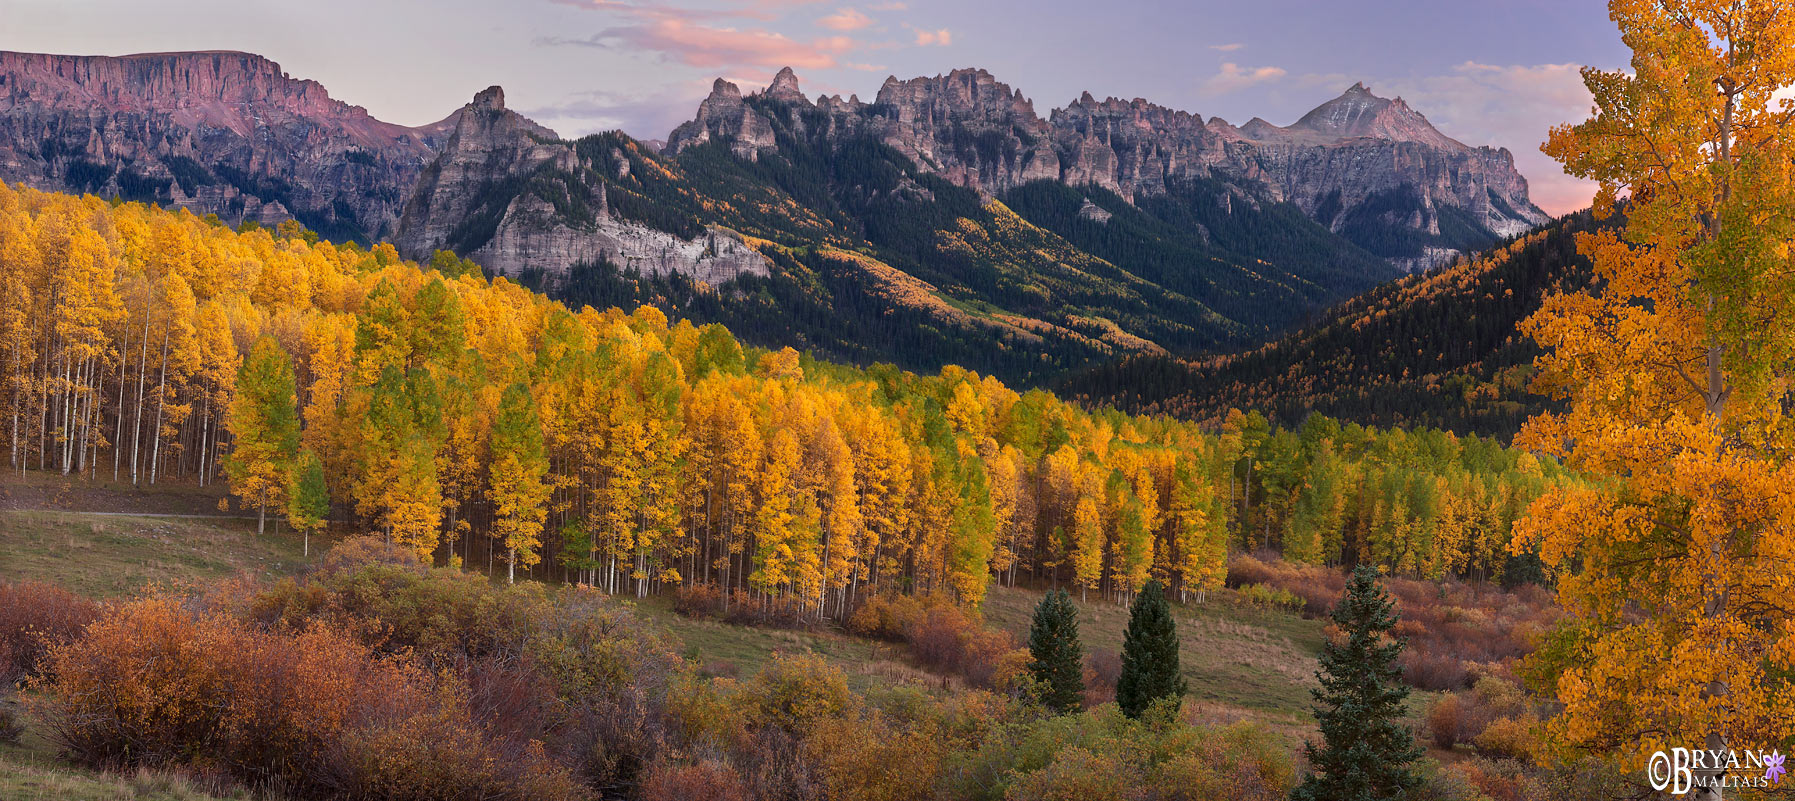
(1497, 72)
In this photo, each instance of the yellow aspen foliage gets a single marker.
(1676, 376)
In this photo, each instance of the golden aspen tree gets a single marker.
(1676, 375)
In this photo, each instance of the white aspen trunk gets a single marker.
(161, 402)
(143, 361)
(118, 435)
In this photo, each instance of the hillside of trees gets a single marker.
(1439, 349)
(483, 425)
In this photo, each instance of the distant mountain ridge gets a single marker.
(218, 132)
(943, 222)
(1369, 168)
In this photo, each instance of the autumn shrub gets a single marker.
(1268, 597)
(1102, 671)
(942, 636)
(1240, 762)
(706, 780)
(796, 691)
(1075, 774)
(1501, 780)
(698, 600)
(1467, 716)
(783, 611)
(438, 614)
(871, 758)
(1456, 630)
(34, 617)
(310, 714)
(355, 553)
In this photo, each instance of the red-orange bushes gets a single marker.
(704, 781)
(943, 636)
(1455, 630)
(313, 714)
(33, 617)
(743, 608)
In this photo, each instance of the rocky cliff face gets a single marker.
(1360, 164)
(217, 132)
(492, 193)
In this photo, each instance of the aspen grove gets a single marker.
(481, 424)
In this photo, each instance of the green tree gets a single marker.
(264, 422)
(519, 463)
(1366, 753)
(1058, 665)
(1149, 655)
(308, 500)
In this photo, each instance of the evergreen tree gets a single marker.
(265, 423)
(1058, 658)
(308, 500)
(1149, 655)
(1366, 752)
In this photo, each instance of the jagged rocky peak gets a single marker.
(1359, 113)
(492, 97)
(785, 87)
(962, 95)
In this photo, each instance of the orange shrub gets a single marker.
(34, 617)
(704, 781)
(314, 714)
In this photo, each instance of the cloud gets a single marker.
(705, 37)
(648, 115)
(891, 7)
(1510, 106)
(938, 37)
(1234, 78)
(1227, 48)
(846, 19)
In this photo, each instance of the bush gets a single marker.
(705, 781)
(1074, 775)
(442, 615)
(1468, 717)
(11, 725)
(1456, 630)
(35, 617)
(1102, 671)
(795, 692)
(698, 600)
(1271, 597)
(943, 637)
(316, 713)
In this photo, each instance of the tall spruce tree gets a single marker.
(1058, 657)
(1149, 655)
(1366, 753)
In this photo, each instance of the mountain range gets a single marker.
(945, 221)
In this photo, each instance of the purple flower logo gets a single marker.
(1773, 767)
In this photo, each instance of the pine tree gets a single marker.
(1149, 655)
(1058, 658)
(1366, 752)
(308, 501)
